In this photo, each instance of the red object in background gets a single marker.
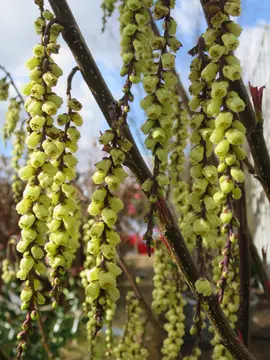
(131, 209)
(137, 195)
(136, 241)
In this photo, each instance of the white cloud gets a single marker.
(249, 50)
(189, 16)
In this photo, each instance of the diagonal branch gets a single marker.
(136, 164)
(255, 136)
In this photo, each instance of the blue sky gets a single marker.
(17, 17)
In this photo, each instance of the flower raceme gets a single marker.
(220, 105)
(34, 207)
(101, 290)
(168, 300)
(159, 106)
(42, 102)
(64, 225)
(132, 343)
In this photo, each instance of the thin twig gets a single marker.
(12, 83)
(136, 164)
(138, 293)
(43, 338)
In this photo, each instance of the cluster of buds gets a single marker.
(161, 283)
(131, 345)
(8, 271)
(102, 289)
(12, 117)
(196, 353)
(200, 225)
(90, 259)
(175, 322)
(4, 87)
(159, 108)
(135, 48)
(135, 34)
(108, 7)
(17, 152)
(64, 225)
(168, 300)
(34, 207)
(179, 187)
(41, 104)
(205, 177)
(231, 299)
(109, 331)
(223, 107)
(180, 133)
(89, 263)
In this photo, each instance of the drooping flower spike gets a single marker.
(159, 108)
(168, 300)
(132, 344)
(64, 225)
(102, 291)
(34, 206)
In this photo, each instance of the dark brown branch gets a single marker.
(69, 80)
(244, 252)
(138, 293)
(255, 137)
(136, 164)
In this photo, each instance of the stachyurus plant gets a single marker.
(203, 228)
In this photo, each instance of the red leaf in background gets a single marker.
(257, 96)
(268, 284)
(136, 241)
(131, 239)
(142, 248)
